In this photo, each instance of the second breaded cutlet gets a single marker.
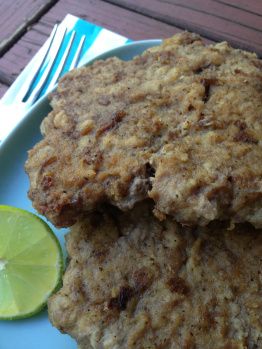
(135, 282)
(180, 124)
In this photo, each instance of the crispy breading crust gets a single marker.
(180, 124)
(135, 282)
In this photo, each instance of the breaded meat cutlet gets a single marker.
(180, 124)
(136, 282)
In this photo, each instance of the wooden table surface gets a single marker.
(26, 24)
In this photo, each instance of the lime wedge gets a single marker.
(31, 263)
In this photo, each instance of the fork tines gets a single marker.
(51, 66)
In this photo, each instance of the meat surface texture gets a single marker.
(135, 282)
(180, 124)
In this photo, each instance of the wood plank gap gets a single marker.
(205, 31)
(237, 7)
(5, 45)
(5, 78)
(156, 18)
(3, 89)
(216, 16)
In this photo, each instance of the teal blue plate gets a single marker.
(37, 332)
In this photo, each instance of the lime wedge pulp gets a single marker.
(31, 263)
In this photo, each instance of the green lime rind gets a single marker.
(59, 264)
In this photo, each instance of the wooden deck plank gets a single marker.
(252, 6)
(239, 22)
(16, 16)
(127, 23)
(3, 89)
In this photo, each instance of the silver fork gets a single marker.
(39, 77)
(30, 97)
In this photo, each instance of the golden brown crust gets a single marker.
(180, 124)
(135, 282)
